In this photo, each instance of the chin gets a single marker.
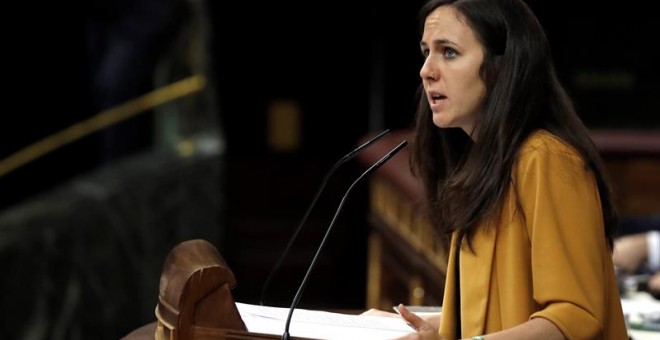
(441, 123)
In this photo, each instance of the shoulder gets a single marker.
(542, 143)
(549, 172)
(542, 151)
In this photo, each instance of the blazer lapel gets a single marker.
(475, 269)
(447, 318)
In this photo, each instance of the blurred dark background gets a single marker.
(291, 87)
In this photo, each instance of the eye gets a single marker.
(425, 52)
(450, 53)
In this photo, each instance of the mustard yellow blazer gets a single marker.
(546, 257)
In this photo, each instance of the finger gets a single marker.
(418, 323)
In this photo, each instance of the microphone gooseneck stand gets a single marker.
(343, 160)
(296, 299)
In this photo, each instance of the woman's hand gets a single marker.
(425, 330)
(630, 252)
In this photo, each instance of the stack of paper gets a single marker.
(321, 325)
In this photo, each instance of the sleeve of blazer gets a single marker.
(561, 205)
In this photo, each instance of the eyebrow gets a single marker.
(438, 42)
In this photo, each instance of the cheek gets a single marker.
(477, 91)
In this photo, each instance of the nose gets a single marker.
(428, 72)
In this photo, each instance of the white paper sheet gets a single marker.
(320, 324)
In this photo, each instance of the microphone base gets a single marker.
(286, 336)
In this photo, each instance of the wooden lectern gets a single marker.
(195, 300)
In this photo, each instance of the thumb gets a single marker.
(418, 323)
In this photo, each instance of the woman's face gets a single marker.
(450, 73)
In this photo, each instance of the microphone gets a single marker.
(296, 299)
(341, 161)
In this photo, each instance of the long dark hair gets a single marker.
(466, 182)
